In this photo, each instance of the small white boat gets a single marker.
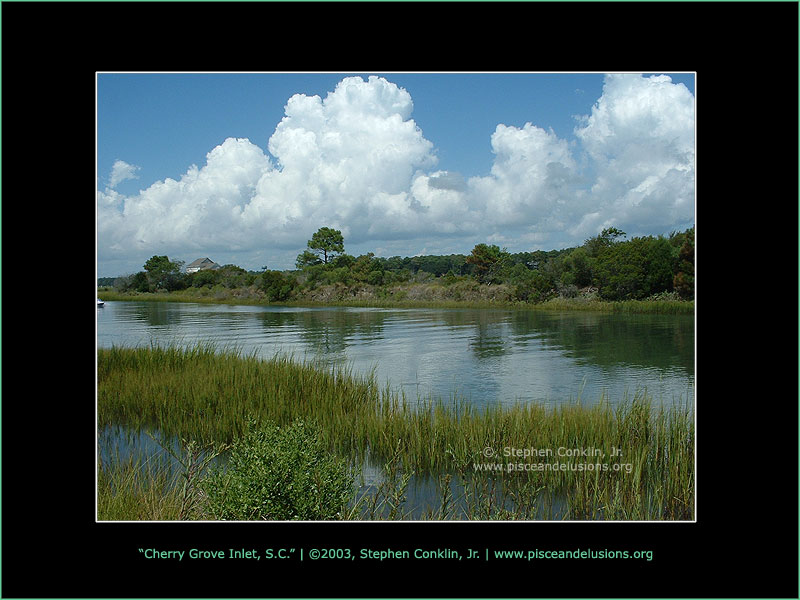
(100, 302)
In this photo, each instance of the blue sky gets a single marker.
(404, 163)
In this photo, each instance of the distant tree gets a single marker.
(306, 259)
(635, 269)
(684, 278)
(528, 285)
(156, 264)
(660, 266)
(277, 286)
(488, 262)
(619, 271)
(205, 277)
(365, 268)
(139, 282)
(394, 263)
(577, 268)
(326, 242)
(162, 273)
(343, 261)
(376, 277)
(233, 276)
(606, 238)
(136, 282)
(437, 265)
(540, 260)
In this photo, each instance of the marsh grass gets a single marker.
(139, 484)
(662, 307)
(137, 488)
(198, 393)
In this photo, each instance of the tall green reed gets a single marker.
(202, 394)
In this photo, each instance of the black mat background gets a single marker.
(745, 55)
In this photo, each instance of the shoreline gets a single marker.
(247, 298)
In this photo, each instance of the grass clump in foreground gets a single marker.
(137, 488)
(214, 398)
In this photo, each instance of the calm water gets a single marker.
(487, 356)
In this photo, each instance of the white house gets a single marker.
(201, 264)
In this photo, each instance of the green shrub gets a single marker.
(279, 473)
(530, 286)
(277, 286)
(132, 283)
(375, 277)
(339, 275)
(683, 281)
(635, 269)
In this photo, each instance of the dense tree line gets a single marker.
(160, 273)
(605, 266)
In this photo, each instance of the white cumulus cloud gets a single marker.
(200, 210)
(640, 138)
(347, 161)
(532, 176)
(357, 161)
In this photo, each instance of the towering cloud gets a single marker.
(640, 138)
(348, 161)
(532, 177)
(357, 161)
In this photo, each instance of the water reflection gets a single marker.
(485, 356)
(489, 356)
(331, 333)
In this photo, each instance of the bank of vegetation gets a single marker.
(294, 435)
(643, 274)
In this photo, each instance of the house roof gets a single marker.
(200, 262)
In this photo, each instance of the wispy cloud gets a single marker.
(121, 171)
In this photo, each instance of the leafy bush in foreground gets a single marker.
(279, 473)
